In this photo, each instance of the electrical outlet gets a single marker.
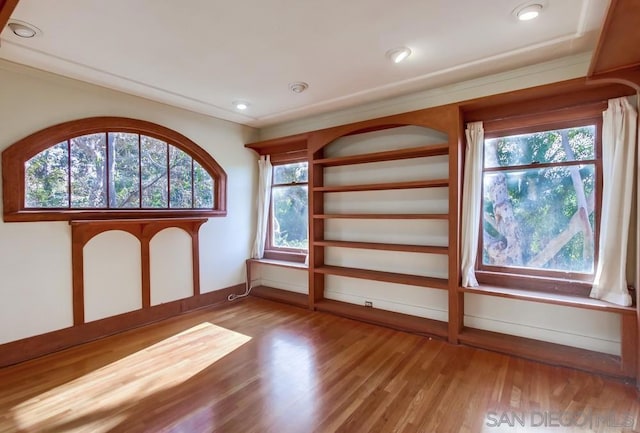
(368, 304)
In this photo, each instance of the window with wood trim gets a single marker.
(540, 205)
(110, 167)
(288, 234)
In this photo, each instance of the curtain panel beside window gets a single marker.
(619, 141)
(471, 202)
(265, 173)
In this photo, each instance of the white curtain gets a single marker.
(619, 137)
(265, 173)
(471, 202)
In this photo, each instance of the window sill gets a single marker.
(549, 285)
(281, 263)
(109, 214)
(567, 300)
(286, 256)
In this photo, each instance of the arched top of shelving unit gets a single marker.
(444, 119)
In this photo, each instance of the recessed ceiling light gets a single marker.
(528, 12)
(298, 86)
(399, 54)
(23, 30)
(241, 105)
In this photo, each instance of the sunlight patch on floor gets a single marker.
(91, 403)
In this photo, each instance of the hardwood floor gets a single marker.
(259, 366)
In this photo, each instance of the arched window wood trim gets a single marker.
(16, 155)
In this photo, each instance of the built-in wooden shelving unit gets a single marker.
(318, 269)
(444, 120)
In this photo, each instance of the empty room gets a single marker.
(298, 216)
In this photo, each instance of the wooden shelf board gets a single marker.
(434, 183)
(389, 277)
(279, 295)
(549, 298)
(281, 263)
(385, 216)
(402, 322)
(542, 351)
(387, 247)
(391, 155)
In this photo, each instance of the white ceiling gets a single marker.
(204, 54)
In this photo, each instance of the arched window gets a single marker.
(110, 167)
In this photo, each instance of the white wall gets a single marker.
(35, 258)
(112, 275)
(171, 263)
(294, 280)
(588, 329)
(35, 277)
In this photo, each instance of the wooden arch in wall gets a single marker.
(443, 119)
(144, 230)
(16, 155)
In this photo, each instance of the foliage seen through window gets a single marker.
(539, 195)
(116, 170)
(290, 206)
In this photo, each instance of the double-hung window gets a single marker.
(288, 234)
(540, 206)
